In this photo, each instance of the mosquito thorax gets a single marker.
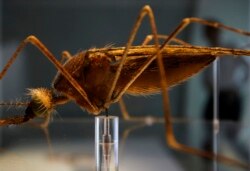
(92, 71)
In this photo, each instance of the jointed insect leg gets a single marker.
(185, 22)
(146, 11)
(123, 108)
(150, 37)
(45, 123)
(65, 56)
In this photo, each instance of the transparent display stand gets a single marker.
(106, 143)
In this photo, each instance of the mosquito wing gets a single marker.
(178, 69)
(180, 62)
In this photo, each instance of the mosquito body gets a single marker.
(95, 69)
(96, 78)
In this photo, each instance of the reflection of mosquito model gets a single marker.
(96, 78)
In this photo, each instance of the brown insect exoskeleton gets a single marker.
(96, 78)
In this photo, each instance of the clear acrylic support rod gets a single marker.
(106, 143)
(215, 112)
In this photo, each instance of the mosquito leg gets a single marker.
(65, 56)
(37, 43)
(145, 11)
(124, 111)
(47, 135)
(46, 122)
(150, 37)
(185, 22)
(45, 128)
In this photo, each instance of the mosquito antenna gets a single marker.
(14, 103)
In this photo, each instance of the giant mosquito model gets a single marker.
(98, 77)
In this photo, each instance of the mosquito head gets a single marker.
(41, 101)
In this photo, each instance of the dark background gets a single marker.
(77, 25)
